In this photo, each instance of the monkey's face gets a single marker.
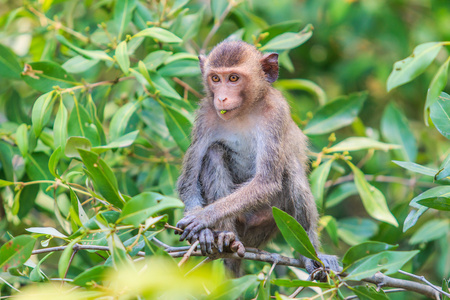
(228, 89)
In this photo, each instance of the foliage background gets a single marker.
(119, 95)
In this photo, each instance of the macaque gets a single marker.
(247, 155)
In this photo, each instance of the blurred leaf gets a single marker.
(294, 234)
(360, 251)
(27, 199)
(94, 274)
(122, 142)
(102, 176)
(430, 231)
(180, 68)
(81, 125)
(144, 205)
(388, 262)
(181, 56)
(42, 109)
(396, 130)
(373, 200)
(437, 203)
(36, 273)
(336, 114)
(179, 126)
(22, 139)
(159, 34)
(340, 193)
(64, 260)
(53, 162)
(60, 127)
(155, 59)
(409, 68)
(232, 288)
(79, 64)
(369, 293)
(9, 65)
(168, 179)
(122, 15)
(92, 54)
(119, 122)
(298, 283)
(122, 55)
(354, 231)
(4, 183)
(413, 216)
(415, 167)
(436, 86)
(286, 26)
(74, 143)
(331, 227)
(46, 75)
(318, 178)
(6, 155)
(47, 231)
(444, 169)
(440, 114)
(218, 7)
(164, 87)
(36, 165)
(289, 40)
(436, 192)
(361, 143)
(303, 85)
(16, 251)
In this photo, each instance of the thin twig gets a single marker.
(188, 254)
(386, 291)
(270, 273)
(90, 86)
(187, 87)
(379, 178)
(79, 247)
(423, 279)
(10, 285)
(301, 288)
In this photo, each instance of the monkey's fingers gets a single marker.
(209, 241)
(202, 240)
(185, 221)
(220, 239)
(238, 247)
(194, 229)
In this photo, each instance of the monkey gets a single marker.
(246, 156)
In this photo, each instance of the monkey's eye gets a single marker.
(234, 78)
(215, 78)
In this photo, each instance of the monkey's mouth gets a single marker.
(224, 111)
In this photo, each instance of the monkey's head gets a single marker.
(236, 75)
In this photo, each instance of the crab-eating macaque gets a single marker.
(247, 155)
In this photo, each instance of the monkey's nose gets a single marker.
(221, 99)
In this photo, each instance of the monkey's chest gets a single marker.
(241, 158)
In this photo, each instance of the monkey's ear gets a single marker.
(201, 60)
(269, 63)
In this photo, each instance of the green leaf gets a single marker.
(63, 264)
(53, 162)
(179, 126)
(331, 227)
(437, 203)
(120, 120)
(92, 54)
(396, 130)
(123, 11)
(159, 34)
(294, 234)
(318, 178)
(369, 293)
(430, 231)
(340, 193)
(440, 114)
(164, 87)
(41, 112)
(155, 59)
(360, 251)
(436, 86)
(218, 7)
(122, 142)
(373, 200)
(303, 85)
(413, 216)
(429, 196)
(416, 168)
(47, 231)
(444, 169)
(60, 127)
(409, 68)
(179, 68)
(144, 205)
(122, 56)
(36, 273)
(22, 139)
(36, 166)
(74, 143)
(16, 251)
(289, 40)
(81, 125)
(79, 64)
(361, 143)
(336, 114)
(94, 274)
(388, 262)
(44, 75)
(354, 231)
(102, 176)
(4, 183)
(9, 65)
(232, 288)
(298, 283)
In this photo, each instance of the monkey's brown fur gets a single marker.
(246, 160)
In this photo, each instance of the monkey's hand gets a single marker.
(330, 263)
(229, 240)
(192, 224)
